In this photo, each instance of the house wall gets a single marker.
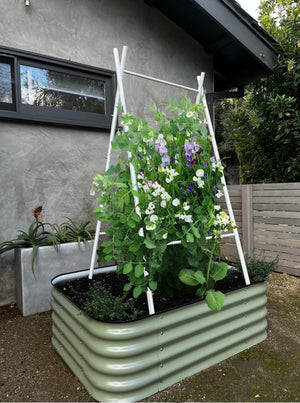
(53, 166)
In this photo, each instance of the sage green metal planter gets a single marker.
(133, 360)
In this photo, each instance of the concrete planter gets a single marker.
(133, 360)
(34, 294)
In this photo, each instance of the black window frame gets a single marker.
(42, 114)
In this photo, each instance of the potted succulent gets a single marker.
(44, 251)
(164, 233)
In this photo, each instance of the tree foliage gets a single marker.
(267, 124)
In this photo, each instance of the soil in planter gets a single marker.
(76, 290)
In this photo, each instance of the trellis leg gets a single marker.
(225, 190)
(132, 170)
(108, 159)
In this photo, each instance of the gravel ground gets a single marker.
(32, 371)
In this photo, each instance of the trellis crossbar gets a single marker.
(120, 101)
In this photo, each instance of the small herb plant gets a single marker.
(259, 269)
(178, 186)
(43, 234)
(101, 304)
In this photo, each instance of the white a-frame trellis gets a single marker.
(120, 101)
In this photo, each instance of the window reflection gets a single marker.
(5, 83)
(48, 88)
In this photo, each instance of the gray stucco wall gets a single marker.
(53, 166)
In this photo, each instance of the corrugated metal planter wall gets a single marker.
(133, 360)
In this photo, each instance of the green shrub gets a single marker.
(101, 304)
(259, 269)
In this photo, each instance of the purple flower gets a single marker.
(205, 164)
(212, 159)
(190, 187)
(138, 155)
(189, 146)
(182, 186)
(189, 155)
(165, 160)
(163, 150)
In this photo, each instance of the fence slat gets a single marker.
(277, 221)
(278, 248)
(276, 186)
(278, 199)
(264, 192)
(276, 206)
(280, 214)
(277, 228)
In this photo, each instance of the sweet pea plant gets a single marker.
(178, 185)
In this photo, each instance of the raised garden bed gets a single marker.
(135, 359)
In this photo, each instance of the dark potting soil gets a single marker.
(76, 290)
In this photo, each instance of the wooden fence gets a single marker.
(268, 219)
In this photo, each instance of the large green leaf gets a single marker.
(218, 270)
(127, 268)
(105, 244)
(190, 237)
(215, 299)
(137, 291)
(187, 277)
(139, 270)
(153, 285)
(135, 247)
(149, 243)
(199, 276)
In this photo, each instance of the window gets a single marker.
(7, 98)
(39, 88)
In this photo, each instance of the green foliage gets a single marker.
(224, 128)
(45, 234)
(259, 269)
(178, 185)
(268, 123)
(101, 304)
(205, 281)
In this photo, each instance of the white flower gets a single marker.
(175, 202)
(153, 218)
(219, 194)
(92, 192)
(223, 220)
(217, 165)
(186, 206)
(165, 236)
(185, 217)
(150, 209)
(188, 218)
(163, 203)
(199, 181)
(150, 227)
(217, 207)
(191, 115)
(200, 173)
